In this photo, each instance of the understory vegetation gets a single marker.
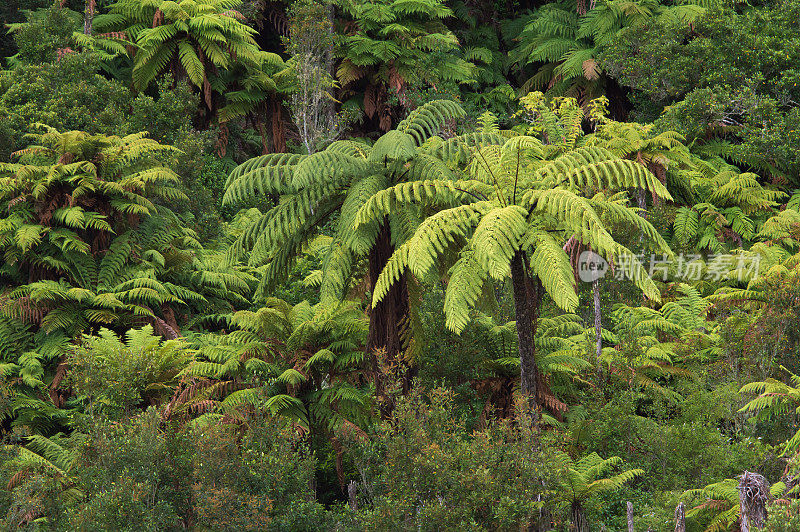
(303, 265)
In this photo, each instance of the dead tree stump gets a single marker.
(680, 518)
(352, 493)
(630, 516)
(753, 497)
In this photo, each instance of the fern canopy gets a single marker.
(198, 41)
(337, 182)
(296, 361)
(520, 196)
(87, 243)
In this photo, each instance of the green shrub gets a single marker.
(67, 94)
(45, 34)
(135, 476)
(423, 470)
(251, 481)
(784, 516)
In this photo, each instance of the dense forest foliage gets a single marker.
(386, 265)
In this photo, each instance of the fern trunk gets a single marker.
(388, 317)
(579, 521)
(527, 296)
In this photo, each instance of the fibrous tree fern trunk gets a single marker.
(579, 521)
(527, 296)
(389, 316)
(278, 128)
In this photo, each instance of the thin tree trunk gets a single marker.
(88, 16)
(641, 199)
(680, 518)
(598, 326)
(388, 316)
(630, 516)
(526, 310)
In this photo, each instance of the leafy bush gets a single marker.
(117, 376)
(784, 516)
(423, 470)
(671, 451)
(134, 477)
(45, 36)
(67, 94)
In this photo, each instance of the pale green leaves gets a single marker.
(497, 239)
(551, 264)
(463, 290)
(393, 146)
(426, 120)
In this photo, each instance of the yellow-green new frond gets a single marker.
(497, 238)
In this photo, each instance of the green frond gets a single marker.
(463, 289)
(266, 174)
(326, 166)
(393, 145)
(551, 264)
(442, 192)
(457, 150)
(426, 120)
(497, 238)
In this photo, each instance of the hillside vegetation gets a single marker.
(400, 265)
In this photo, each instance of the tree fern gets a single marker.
(569, 41)
(293, 360)
(394, 45)
(721, 501)
(582, 480)
(337, 180)
(88, 245)
(193, 39)
(511, 216)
